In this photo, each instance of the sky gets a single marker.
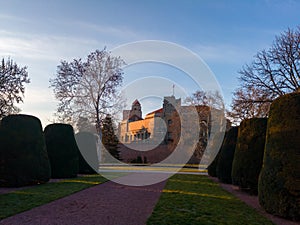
(224, 34)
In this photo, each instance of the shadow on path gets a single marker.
(105, 204)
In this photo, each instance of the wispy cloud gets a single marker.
(39, 102)
(223, 53)
(9, 17)
(44, 47)
(112, 31)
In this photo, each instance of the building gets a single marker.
(160, 126)
(158, 134)
(134, 128)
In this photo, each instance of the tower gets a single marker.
(136, 109)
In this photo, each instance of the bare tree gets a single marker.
(88, 89)
(12, 80)
(209, 98)
(272, 73)
(249, 102)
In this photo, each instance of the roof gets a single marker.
(156, 111)
(136, 102)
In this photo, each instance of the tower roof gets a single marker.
(136, 102)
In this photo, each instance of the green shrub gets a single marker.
(224, 164)
(212, 168)
(62, 150)
(23, 155)
(214, 144)
(138, 160)
(279, 181)
(87, 144)
(249, 153)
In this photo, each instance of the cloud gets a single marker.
(111, 31)
(224, 53)
(39, 102)
(44, 47)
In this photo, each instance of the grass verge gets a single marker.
(195, 199)
(28, 198)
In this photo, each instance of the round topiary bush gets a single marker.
(248, 156)
(87, 144)
(23, 155)
(62, 150)
(279, 181)
(224, 164)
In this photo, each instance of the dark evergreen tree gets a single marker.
(109, 139)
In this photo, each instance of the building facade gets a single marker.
(160, 126)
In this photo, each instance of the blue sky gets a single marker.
(225, 34)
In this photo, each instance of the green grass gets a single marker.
(195, 199)
(25, 199)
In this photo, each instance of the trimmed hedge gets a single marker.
(212, 168)
(279, 181)
(224, 164)
(87, 144)
(23, 155)
(248, 156)
(62, 150)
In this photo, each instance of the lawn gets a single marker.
(195, 199)
(25, 199)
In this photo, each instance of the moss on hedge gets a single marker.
(62, 150)
(23, 155)
(248, 156)
(279, 181)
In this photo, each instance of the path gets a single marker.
(252, 201)
(105, 204)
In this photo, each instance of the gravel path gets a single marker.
(105, 204)
(252, 201)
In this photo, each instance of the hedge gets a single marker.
(62, 150)
(224, 164)
(87, 144)
(248, 156)
(212, 168)
(279, 181)
(23, 155)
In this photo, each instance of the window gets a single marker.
(169, 122)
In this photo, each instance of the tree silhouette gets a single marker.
(12, 80)
(272, 73)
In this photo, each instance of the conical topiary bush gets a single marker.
(87, 144)
(249, 153)
(62, 150)
(23, 155)
(279, 181)
(224, 164)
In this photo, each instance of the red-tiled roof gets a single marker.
(156, 111)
